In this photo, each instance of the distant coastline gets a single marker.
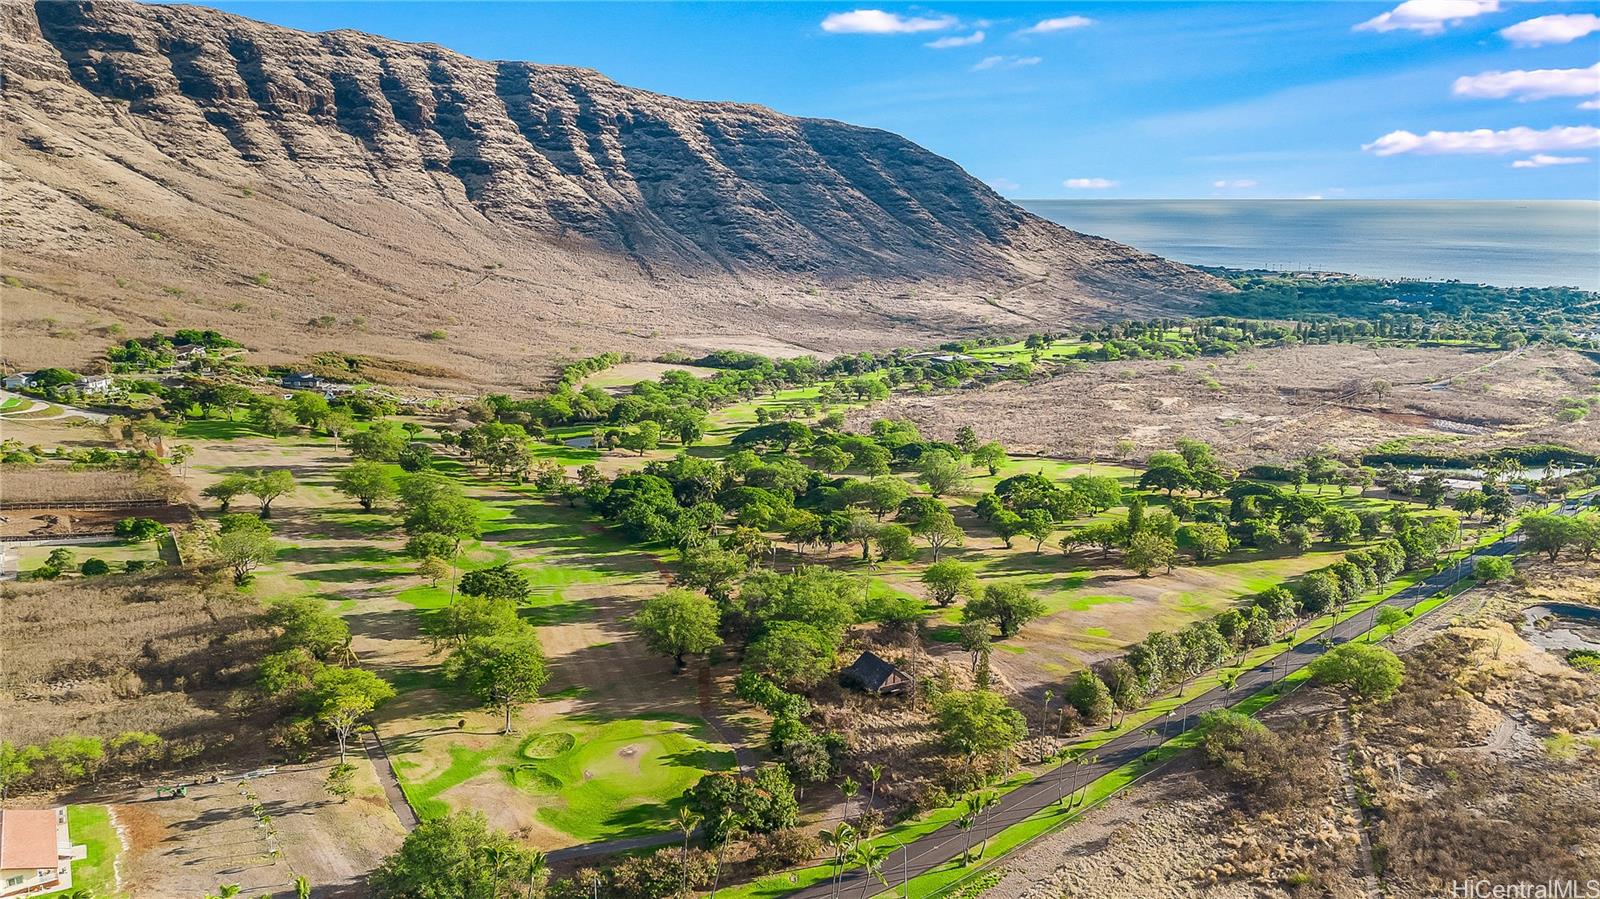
(1506, 243)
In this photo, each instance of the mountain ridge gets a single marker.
(347, 171)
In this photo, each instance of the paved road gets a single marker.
(928, 852)
(379, 756)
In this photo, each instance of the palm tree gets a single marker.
(874, 774)
(965, 823)
(687, 822)
(727, 828)
(538, 870)
(870, 857)
(984, 803)
(849, 788)
(1044, 717)
(842, 840)
(1230, 679)
(1084, 761)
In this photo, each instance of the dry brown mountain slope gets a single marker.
(170, 164)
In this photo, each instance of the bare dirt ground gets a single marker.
(1274, 404)
(66, 522)
(189, 846)
(1459, 767)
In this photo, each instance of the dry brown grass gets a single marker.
(1274, 404)
(159, 652)
(1458, 765)
(55, 483)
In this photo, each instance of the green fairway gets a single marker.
(617, 778)
(591, 778)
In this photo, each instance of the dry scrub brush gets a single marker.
(163, 652)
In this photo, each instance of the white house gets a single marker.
(93, 384)
(19, 380)
(188, 351)
(36, 851)
(302, 380)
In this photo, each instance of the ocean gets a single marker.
(1511, 243)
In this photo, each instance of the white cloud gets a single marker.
(1428, 16)
(876, 21)
(1589, 104)
(1060, 23)
(1238, 184)
(1005, 62)
(1089, 183)
(1484, 140)
(954, 40)
(1004, 185)
(1559, 29)
(1540, 160)
(1535, 84)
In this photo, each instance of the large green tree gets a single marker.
(457, 856)
(503, 670)
(679, 622)
(1362, 669)
(366, 482)
(949, 579)
(344, 697)
(1009, 604)
(241, 547)
(792, 653)
(978, 722)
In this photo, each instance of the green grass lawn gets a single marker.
(216, 429)
(1019, 352)
(30, 556)
(618, 778)
(593, 778)
(90, 826)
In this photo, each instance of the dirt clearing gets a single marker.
(1274, 404)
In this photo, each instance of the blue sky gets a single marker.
(1426, 99)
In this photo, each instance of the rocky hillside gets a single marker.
(168, 164)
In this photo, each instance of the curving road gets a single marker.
(928, 852)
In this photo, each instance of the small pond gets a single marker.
(1562, 626)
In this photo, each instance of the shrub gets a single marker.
(138, 529)
(1584, 660)
(1363, 670)
(1492, 568)
(94, 567)
(783, 849)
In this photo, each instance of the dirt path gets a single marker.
(1341, 762)
(708, 710)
